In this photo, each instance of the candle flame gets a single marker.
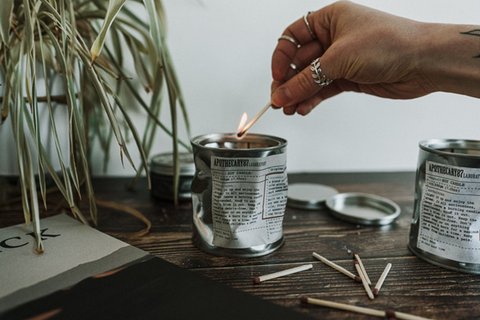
(243, 122)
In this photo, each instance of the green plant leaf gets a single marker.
(114, 7)
(5, 20)
(66, 36)
(28, 25)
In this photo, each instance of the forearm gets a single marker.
(448, 58)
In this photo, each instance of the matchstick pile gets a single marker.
(362, 277)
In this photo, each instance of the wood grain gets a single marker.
(412, 286)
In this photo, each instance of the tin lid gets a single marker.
(163, 164)
(362, 208)
(310, 196)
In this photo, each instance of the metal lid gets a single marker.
(362, 208)
(163, 164)
(310, 196)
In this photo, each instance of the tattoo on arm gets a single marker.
(474, 32)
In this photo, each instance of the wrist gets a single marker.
(447, 58)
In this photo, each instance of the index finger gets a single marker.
(302, 31)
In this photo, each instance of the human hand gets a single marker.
(360, 49)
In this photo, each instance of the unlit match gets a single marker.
(357, 257)
(362, 310)
(382, 279)
(279, 274)
(242, 132)
(337, 267)
(364, 281)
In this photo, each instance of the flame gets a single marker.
(243, 122)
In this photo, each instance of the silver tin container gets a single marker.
(161, 174)
(239, 194)
(446, 219)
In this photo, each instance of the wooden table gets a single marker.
(412, 286)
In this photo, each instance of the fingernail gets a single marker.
(281, 97)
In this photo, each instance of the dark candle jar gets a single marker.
(161, 174)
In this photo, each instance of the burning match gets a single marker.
(337, 267)
(244, 128)
(257, 280)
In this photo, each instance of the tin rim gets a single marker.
(438, 146)
(201, 141)
(163, 164)
(352, 206)
(309, 196)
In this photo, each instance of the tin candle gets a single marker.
(239, 194)
(446, 219)
(161, 174)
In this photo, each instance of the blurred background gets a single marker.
(222, 52)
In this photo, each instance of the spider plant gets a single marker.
(91, 44)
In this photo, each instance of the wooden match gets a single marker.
(242, 132)
(382, 279)
(368, 311)
(257, 280)
(364, 281)
(337, 267)
(362, 267)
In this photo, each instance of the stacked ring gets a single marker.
(322, 81)
(308, 25)
(292, 40)
(294, 67)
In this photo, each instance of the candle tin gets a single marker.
(161, 174)
(446, 218)
(239, 194)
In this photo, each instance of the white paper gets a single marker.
(450, 213)
(67, 242)
(249, 196)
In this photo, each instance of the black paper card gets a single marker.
(151, 289)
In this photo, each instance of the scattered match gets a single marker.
(362, 310)
(357, 257)
(337, 267)
(364, 281)
(279, 274)
(382, 279)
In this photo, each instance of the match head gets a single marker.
(303, 299)
(390, 314)
(354, 254)
(256, 280)
(375, 292)
(358, 279)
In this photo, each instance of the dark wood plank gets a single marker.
(413, 286)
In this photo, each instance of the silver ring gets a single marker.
(294, 67)
(285, 37)
(308, 25)
(322, 81)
